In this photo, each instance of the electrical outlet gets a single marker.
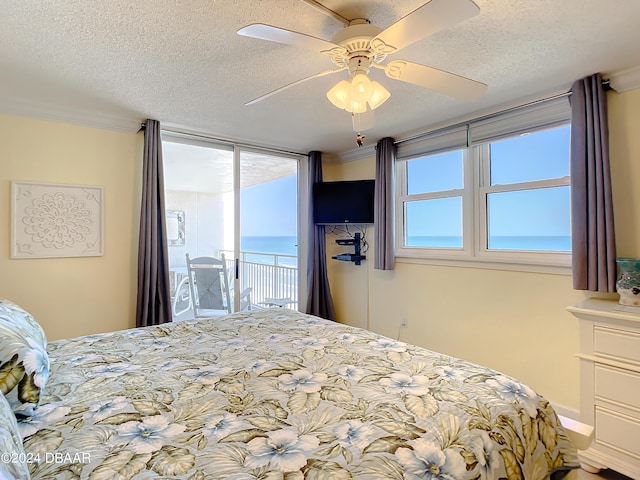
(403, 322)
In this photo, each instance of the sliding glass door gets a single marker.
(269, 228)
(222, 200)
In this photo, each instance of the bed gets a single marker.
(273, 394)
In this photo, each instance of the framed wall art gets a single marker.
(54, 220)
(175, 228)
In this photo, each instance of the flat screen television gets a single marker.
(343, 202)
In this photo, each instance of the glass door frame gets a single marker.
(303, 189)
(302, 217)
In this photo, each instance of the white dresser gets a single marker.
(610, 384)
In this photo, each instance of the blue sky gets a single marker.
(520, 159)
(270, 208)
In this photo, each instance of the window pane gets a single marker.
(530, 220)
(434, 223)
(435, 173)
(198, 181)
(537, 156)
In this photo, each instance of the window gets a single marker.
(433, 213)
(504, 198)
(525, 195)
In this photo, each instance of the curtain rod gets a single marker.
(484, 117)
(225, 141)
(606, 83)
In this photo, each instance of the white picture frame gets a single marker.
(51, 220)
(175, 228)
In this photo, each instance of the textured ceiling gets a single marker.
(199, 168)
(182, 63)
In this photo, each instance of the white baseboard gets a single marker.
(566, 411)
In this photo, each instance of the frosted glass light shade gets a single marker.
(339, 94)
(354, 96)
(361, 88)
(378, 96)
(356, 107)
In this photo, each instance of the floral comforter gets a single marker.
(275, 394)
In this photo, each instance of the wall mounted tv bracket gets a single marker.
(355, 257)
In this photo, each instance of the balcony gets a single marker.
(218, 193)
(269, 275)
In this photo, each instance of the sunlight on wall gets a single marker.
(624, 147)
(74, 296)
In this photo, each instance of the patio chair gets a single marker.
(209, 287)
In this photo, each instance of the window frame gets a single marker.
(403, 198)
(484, 188)
(476, 189)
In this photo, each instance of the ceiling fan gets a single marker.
(361, 46)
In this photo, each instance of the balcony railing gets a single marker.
(270, 276)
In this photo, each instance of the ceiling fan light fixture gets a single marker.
(354, 96)
(361, 46)
(379, 95)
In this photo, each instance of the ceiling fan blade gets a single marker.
(288, 37)
(447, 83)
(422, 22)
(293, 84)
(327, 11)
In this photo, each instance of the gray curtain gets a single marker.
(592, 227)
(384, 258)
(154, 297)
(319, 301)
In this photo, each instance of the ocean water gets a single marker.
(265, 249)
(554, 243)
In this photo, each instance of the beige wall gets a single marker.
(74, 296)
(514, 322)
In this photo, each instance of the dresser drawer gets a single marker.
(618, 385)
(615, 343)
(618, 431)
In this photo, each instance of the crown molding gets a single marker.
(625, 80)
(55, 113)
